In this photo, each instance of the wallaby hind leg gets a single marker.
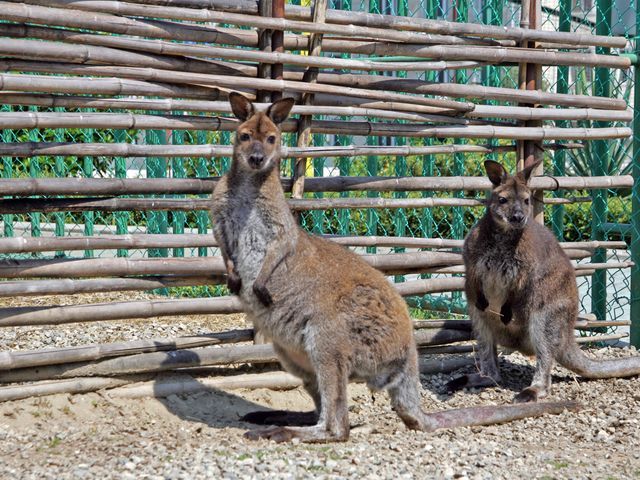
(544, 347)
(286, 417)
(405, 396)
(487, 357)
(333, 423)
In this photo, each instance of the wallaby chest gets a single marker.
(500, 270)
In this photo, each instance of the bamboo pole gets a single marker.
(53, 356)
(101, 86)
(71, 386)
(383, 32)
(144, 241)
(148, 186)
(66, 286)
(90, 54)
(48, 205)
(89, 267)
(454, 28)
(38, 149)
(10, 120)
(161, 361)
(172, 105)
(472, 91)
(224, 81)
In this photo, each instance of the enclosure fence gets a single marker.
(115, 127)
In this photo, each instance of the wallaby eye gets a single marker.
(502, 200)
(526, 201)
(271, 139)
(245, 137)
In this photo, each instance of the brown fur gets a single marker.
(521, 292)
(332, 318)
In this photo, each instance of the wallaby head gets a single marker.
(257, 143)
(510, 203)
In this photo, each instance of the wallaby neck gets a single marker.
(240, 180)
(495, 234)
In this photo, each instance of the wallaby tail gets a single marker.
(577, 361)
(491, 415)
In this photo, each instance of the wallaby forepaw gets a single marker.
(277, 434)
(234, 283)
(525, 396)
(263, 294)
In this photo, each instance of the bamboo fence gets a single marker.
(119, 57)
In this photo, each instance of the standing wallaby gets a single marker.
(521, 292)
(331, 316)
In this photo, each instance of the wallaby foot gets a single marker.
(473, 380)
(527, 395)
(315, 434)
(263, 294)
(281, 418)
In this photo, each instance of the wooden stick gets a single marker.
(53, 356)
(91, 54)
(66, 286)
(103, 49)
(344, 29)
(455, 28)
(88, 267)
(73, 385)
(148, 186)
(183, 358)
(172, 105)
(101, 86)
(35, 149)
(224, 81)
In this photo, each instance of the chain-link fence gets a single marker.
(581, 215)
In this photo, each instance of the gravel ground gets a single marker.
(195, 436)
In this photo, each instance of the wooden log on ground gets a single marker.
(161, 361)
(150, 186)
(52, 356)
(17, 316)
(70, 386)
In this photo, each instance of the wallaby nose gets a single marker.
(256, 161)
(517, 217)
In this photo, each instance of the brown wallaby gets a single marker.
(331, 316)
(521, 292)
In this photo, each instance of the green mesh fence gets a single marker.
(598, 215)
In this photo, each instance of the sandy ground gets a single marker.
(200, 435)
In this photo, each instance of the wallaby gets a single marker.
(330, 315)
(521, 292)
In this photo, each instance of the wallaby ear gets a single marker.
(279, 111)
(241, 106)
(525, 174)
(496, 172)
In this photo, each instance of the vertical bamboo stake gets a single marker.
(264, 44)
(277, 45)
(560, 155)
(319, 9)
(635, 203)
(599, 206)
(531, 79)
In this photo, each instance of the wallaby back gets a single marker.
(330, 315)
(521, 291)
